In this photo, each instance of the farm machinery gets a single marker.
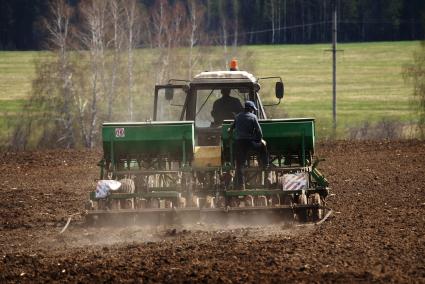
(180, 166)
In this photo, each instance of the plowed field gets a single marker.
(376, 234)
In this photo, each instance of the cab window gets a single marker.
(170, 104)
(215, 105)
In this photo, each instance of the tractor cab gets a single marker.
(208, 100)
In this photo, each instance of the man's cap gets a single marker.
(251, 105)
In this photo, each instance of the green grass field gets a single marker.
(370, 83)
(370, 86)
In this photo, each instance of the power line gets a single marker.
(287, 27)
(369, 21)
(240, 34)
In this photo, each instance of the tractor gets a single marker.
(179, 167)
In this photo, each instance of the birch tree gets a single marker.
(116, 13)
(196, 13)
(169, 26)
(235, 6)
(223, 22)
(58, 28)
(271, 15)
(133, 31)
(93, 13)
(159, 22)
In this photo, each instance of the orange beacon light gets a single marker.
(234, 65)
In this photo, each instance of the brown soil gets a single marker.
(377, 233)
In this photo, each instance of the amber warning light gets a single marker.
(234, 65)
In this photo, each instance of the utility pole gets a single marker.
(334, 50)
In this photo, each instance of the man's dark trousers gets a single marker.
(242, 148)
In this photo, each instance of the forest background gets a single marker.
(251, 21)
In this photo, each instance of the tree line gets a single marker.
(249, 21)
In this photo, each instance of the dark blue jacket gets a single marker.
(247, 127)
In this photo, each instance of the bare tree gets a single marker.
(156, 23)
(235, 4)
(58, 27)
(196, 13)
(279, 19)
(223, 22)
(132, 27)
(96, 63)
(170, 27)
(93, 13)
(115, 42)
(271, 12)
(159, 14)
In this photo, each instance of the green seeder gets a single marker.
(180, 166)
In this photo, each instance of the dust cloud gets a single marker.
(81, 236)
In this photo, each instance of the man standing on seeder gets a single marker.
(248, 138)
